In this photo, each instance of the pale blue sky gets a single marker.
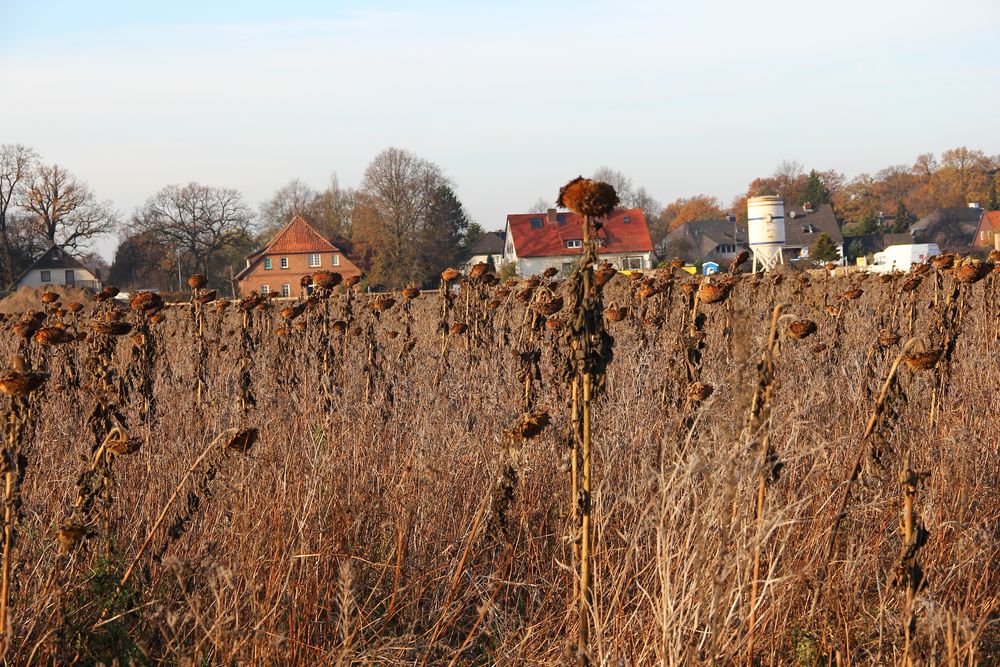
(511, 98)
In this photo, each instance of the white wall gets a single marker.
(33, 278)
(536, 265)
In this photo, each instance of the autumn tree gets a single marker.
(688, 209)
(391, 211)
(17, 163)
(65, 211)
(198, 221)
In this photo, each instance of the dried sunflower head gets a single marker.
(449, 275)
(587, 197)
(197, 281)
(801, 329)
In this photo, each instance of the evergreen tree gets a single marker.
(824, 249)
(854, 250)
(902, 223)
(815, 191)
(442, 235)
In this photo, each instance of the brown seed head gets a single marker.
(699, 391)
(50, 297)
(586, 197)
(197, 281)
(449, 275)
(411, 292)
(800, 329)
(242, 441)
(531, 424)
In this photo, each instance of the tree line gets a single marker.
(404, 221)
(889, 200)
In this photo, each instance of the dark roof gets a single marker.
(952, 229)
(490, 243)
(534, 235)
(802, 228)
(53, 258)
(702, 236)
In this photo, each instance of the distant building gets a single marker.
(988, 232)
(57, 267)
(716, 241)
(489, 246)
(297, 250)
(538, 241)
(952, 229)
(803, 226)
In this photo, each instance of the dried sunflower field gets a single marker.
(786, 469)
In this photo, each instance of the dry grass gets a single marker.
(362, 530)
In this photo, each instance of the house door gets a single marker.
(70, 278)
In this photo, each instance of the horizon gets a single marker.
(510, 101)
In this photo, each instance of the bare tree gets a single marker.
(66, 212)
(541, 205)
(293, 198)
(331, 212)
(198, 221)
(621, 183)
(390, 212)
(16, 165)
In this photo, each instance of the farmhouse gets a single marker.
(57, 267)
(297, 250)
(537, 241)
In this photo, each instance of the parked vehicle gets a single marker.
(903, 257)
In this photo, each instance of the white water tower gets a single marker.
(766, 231)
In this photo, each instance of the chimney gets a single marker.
(807, 206)
(552, 216)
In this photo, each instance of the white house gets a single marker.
(57, 267)
(538, 241)
(489, 246)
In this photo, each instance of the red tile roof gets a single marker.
(990, 222)
(550, 240)
(297, 237)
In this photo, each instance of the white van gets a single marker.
(903, 257)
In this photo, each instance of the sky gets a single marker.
(511, 99)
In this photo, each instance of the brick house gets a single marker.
(988, 232)
(296, 250)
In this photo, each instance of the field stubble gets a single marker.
(386, 514)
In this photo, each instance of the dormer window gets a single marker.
(808, 229)
(536, 223)
(627, 219)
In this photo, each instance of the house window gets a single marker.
(334, 260)
(627, 219)
(284, 262)
(631, 263)
(314, 261)
(264, 289)
(46, 276)
(267, 263)
(574, 243)
(286, 290)
(561, 219)
(536, 223)
(70, 278)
